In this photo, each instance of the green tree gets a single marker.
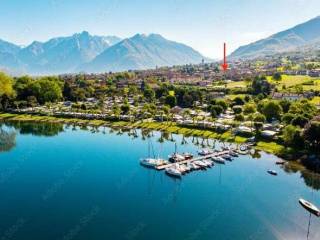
(285, 104)
(215, 110)
(287, 118)
(239, 117)
(277, 77)
(32, 101)
(271, 110)
(303, 107)
(311, 134)
(258, 117)
(261, 85)
(300, 121)
(7, 92)
(149, 94)
(22, 86)
(249, 108)
(238, 101)
(125, 108)
(171, 101)
(258, 126)
(292, 136)
(237, 109)
(6, 85)
(222, 103)
(50, 91)
(78, 94)
(247, 98)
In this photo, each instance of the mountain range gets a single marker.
(143, 52)
(302, 36)
(84, 52)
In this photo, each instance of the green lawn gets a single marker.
(316, 100)
(237, 84)
(270, 147)
(291, 81)
(233, 96)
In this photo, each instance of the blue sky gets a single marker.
(202, 24)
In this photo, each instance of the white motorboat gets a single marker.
(205, 152)
(209, 163)
(151, 162)
(310, 207)
(193, 166)
(182, 168)
(201, 164)
(187, 167)
(227, 157)
(233, 153)
(219, 160)
(173, 172)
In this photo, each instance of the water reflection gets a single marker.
(311, 179)
(37, 129)
(255, 153)
(7, 140)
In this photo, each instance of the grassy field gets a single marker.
(238, 84)
(315, 86)
(270, 147)
(287, 81)
(233, 96)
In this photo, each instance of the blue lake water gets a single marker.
(61, 182)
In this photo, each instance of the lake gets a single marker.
(66, 182)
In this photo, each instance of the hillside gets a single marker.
(143, 52)
(63, 54)
(304, 35)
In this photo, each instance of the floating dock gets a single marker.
(215, 154)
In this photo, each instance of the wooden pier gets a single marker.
(215, 154)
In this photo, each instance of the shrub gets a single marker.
(300, 121)
(249, 108)
(287, 118)
(271, 110)
(292, 136)
(239, 117)
(237, 109)
(258, 117)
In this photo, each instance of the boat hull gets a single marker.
(272, 173)
(174, 175)
(309, 207)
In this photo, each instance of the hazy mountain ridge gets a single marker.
(57, 55)
(302, 35)
(83, 52)
(143, 52)
(64, 54)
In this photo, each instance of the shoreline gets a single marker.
(171, 127)
(271, 147)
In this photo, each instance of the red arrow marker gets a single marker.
(224, 65)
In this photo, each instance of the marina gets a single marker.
(179, 164)
(99, 177)
(192, 160)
